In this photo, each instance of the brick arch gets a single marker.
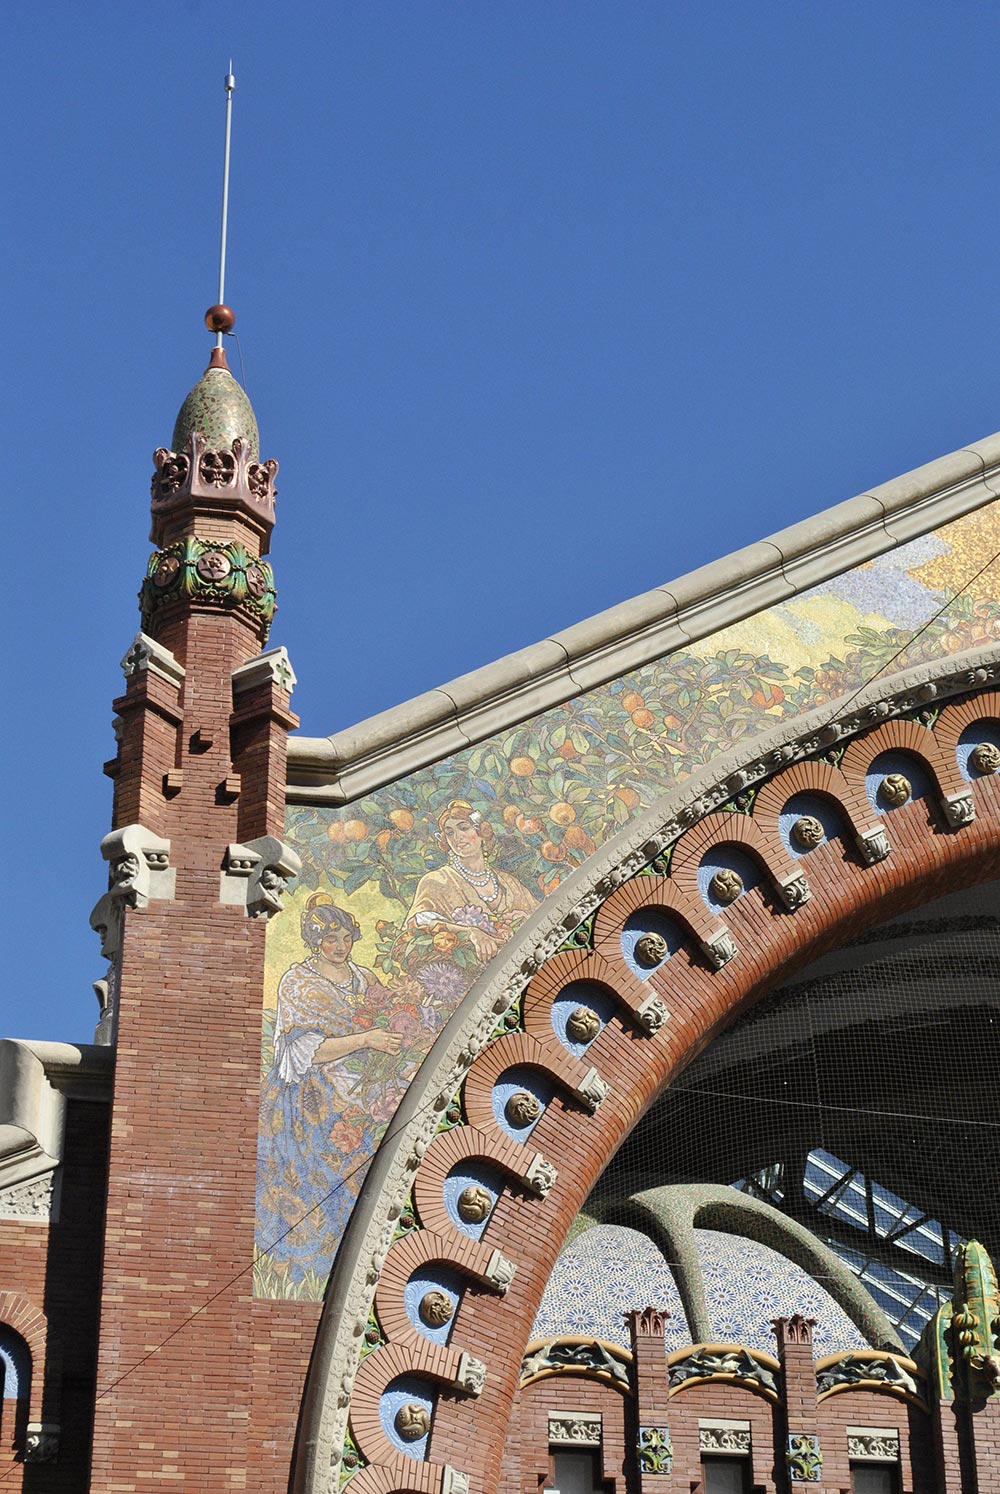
(29, 1322)
(637, 1060)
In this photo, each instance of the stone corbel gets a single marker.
(873, 845)
(257, 874)
(959, 809)
(719, 949)
(652, 1014)
(794, 891)
(139, 864)
(499, 1273)
(471, 1376)
(540, 1175)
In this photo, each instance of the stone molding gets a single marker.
(272, 667)
(574, 1429)
(390, 1177)
(724, 1437)
(873, 1444)
(34, 1200)
(353, 762)
(146, 655)
(36, 1079)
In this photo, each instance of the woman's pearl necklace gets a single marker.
(480, 880)
(349, 986)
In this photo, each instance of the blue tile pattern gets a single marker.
(610, 1269)
(605, 1272)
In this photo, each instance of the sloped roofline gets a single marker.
(340, 768)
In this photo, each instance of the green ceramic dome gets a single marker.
(218, 407)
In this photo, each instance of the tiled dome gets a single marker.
(749, 1285)
(219, 408)
(601, 1275)
(610, 1269)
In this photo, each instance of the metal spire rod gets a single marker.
(230, 85)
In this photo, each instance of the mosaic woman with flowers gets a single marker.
(463, 912)
(345, 1047)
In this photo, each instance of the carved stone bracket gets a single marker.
(592, 1089)
(471, 1375)
(959, 809)
(453, 1480)
(794, 892)
(500, 1273)
(873, 845)
(719, 949)
(652, 1014)
(139, 862)
(540, 1176)
(139, 871)
(257, 874)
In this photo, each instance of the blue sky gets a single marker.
(540, 305)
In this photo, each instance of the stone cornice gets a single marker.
(340, 768)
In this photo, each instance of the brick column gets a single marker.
(199, 775)
(803, 1453)
(649, 1370)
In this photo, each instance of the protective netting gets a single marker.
(860, 1099)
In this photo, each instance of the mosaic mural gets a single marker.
(408, 893)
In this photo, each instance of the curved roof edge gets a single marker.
(396, 742)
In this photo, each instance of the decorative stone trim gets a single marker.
(719, 1436)
(146, 655)
(724, 1362)
(274, 666)
(594, 1357)
(41, 1442)
(453, 1481)
(196, 477)
(592, 1089)
(541, 1175)
(208, 573)
(652, 1014)
(30, 1201)
(500, 1273)
(873, 845)
(959, 809)
(574, 1429)
(794, 892)
(471, 1375)
(720, 949)
(873, 1444)
(803, 1458)
(655, 1449)
(257, 874)
(868, 1369)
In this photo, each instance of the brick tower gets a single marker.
(196, 867)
